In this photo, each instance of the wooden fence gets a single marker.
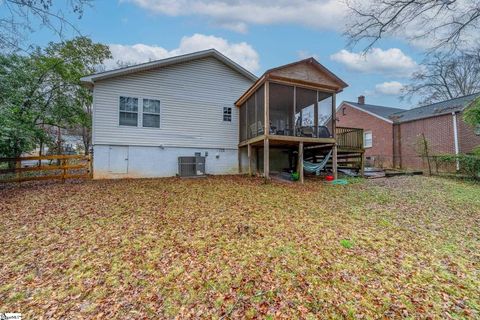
(51, 167)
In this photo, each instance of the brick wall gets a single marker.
(466, 136)
(382, 132)
(438, 133)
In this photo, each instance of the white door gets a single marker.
(118, 159)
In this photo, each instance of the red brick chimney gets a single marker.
(361, 100)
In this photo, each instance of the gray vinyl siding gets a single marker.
(192, 96)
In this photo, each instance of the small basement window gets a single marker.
(227, 114)
(128, 111)
(151, 113)
(367, 139)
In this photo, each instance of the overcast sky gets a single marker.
(255, 34)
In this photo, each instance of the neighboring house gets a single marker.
(377, 129)
(146, 116)
(204, 105)
(396, 133)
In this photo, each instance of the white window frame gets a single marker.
(365, 139)
(152, 113)
(120, 111)
(139, 112)
(224, 114)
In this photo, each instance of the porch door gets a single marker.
(118, 159)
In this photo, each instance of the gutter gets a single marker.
(455, 139)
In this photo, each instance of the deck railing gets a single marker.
(349, 138)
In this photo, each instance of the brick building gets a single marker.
(392, 135)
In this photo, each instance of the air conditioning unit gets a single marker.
(191, 166)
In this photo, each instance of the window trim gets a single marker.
(365, 139)
(120, 111)
(139, 112)
(223, 114)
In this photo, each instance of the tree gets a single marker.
(82, 56)
(20, 17)
(435, 24)
(444, 77)
(24, 102)
(472, 115)
(43, 90)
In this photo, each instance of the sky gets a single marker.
(255, 34)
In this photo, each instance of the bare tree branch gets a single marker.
(20, 17)
(434, 24)
(444, 77)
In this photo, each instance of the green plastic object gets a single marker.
(340, 182)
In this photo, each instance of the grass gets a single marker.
(234, 247)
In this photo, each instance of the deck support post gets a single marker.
(334, 162)
(249, 152)
(362, 165)
(334, 129)
(266, 159)
(300, 161)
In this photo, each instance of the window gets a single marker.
(151, 113)
(128, 111)
(367, 139)
(343, 111)
(477, 130)
(227, 114)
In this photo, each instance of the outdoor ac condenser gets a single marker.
(191, 166)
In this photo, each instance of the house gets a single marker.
(205, 105)
(392, 135)
(377, 128)
(145, 116)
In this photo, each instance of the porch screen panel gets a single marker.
(281, 100)
(251, 117)
(260, 99)
(325, 128)
(305, 112)
(243, 122)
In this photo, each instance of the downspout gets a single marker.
(455, 139)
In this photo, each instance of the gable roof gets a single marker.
(435, 109)
(90, 79)
(311, 62)
(299, 73)
(380, 111)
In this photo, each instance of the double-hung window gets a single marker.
(151, 113)
(128, 111)
(367, 139)
(227, 114)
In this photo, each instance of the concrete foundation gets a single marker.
(111, 162)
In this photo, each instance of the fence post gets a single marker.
(18, 173)
(64, 171)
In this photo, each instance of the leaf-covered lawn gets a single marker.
(233, 247)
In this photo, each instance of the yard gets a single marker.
(233, 247)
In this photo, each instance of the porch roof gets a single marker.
(307, 73)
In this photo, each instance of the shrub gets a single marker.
(295, 176)
(469, 164)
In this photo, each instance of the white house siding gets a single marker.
(192, 96)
